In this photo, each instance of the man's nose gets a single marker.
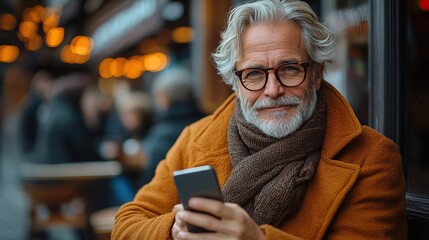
(273, 88)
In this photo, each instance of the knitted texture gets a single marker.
(270, 175)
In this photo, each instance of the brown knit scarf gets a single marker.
(269, 175)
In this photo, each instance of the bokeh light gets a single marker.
(424, 5)
(104, 68)
(54, 37)
(40, 11)
(133, 69)
(117, 67)
(27, 29)
(182, 35)
(8, 53)
(155, 62)
(7, 21)
(31, 16)
(66, 54)
(34, 43)
(50, 22)
(81, 45)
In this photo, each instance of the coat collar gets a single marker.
(342, 125)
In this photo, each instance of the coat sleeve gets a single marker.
(375, 206)
(149, 215)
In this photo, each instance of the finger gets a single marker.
(179, 221)
(199, 219)
(178, 226)
(213, 207)
(199, 236)
(177, 208)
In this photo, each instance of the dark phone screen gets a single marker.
(197, 182)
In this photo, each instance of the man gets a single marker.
(292, 159)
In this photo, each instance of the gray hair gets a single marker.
(317, 38)
(176, 82)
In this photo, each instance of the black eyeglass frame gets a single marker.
(265, 70)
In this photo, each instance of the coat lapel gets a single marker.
(333, 179)
(325, 193)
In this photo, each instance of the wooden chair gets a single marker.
(57, 193)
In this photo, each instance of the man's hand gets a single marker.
(232, 223)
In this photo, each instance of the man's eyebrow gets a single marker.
(284, 61)
(253, 66)
(290, 60)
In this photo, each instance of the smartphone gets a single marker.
(197, 182)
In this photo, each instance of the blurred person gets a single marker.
(71, 133)
(75, 111)
(291, 157)
(73, 123)
(34, 109)
(114, 127)
(133, 114)
(129, 119)
(175, 108)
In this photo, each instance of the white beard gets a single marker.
(279, 125)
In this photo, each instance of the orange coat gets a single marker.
(357, 192)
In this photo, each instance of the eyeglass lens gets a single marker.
(288, 74)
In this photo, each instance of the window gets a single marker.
(349, 73)
(416, 135)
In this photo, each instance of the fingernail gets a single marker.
(193, 201)
(181, 234)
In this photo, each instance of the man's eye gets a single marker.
(289, 69)
(253, 74)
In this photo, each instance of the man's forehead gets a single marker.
(268, 36)
(275, 42)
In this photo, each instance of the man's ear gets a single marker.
(319, 76)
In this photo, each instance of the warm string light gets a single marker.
(7, 22)
(182, 35)
(54, 37)
(8, 53)
(133, 67)
(48, 20)
(28, 31)
(78, 51)
(40, 25)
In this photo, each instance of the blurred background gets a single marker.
(89, 89)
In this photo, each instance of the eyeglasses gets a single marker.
(290, 74)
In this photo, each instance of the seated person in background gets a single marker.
(292, 159)
(130, 119)
(132, 115)
(70, 134)
(175, 108)
(32, 112)
(73, 124)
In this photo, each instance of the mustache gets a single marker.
(280, 101)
